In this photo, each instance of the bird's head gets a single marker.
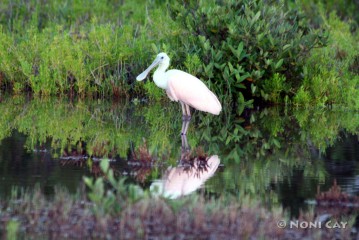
(161, 59)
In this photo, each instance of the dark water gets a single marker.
(280, 156)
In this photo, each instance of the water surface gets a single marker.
(278, 155)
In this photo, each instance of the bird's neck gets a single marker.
(159, 76)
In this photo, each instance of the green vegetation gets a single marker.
(265, 148)
(106, 128)
(272, 145)
(331, 74)
(345, 9)
(258, 50)
(128, 212)
(77, 218)
(90, 48)
(12, 229)
(291, 53)
(243, 47)
(277, 139)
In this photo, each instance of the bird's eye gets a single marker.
(162, 57)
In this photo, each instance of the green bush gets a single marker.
(243, 50)
(273, 88)
(347, 10)
(331, 73)
(242, 44)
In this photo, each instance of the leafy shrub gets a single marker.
(347, 10)
(273, 88)
(330, 75)
(242, 43)
(110, 200)
(242, 49)
(302, 97)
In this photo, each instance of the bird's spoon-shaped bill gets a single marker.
(144, 74)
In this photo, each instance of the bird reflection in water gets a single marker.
(191, 173)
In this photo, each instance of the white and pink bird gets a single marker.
(183, 87)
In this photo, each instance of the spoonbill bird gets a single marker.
(183, 87)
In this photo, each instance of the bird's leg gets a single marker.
(184, 113)
(185, 152)
(185, 124)
(188, 112)
(185, 146)
(186, 117)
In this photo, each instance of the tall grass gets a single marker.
(83, 47)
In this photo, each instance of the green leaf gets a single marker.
(233, 50)
(279, 64)
(154, 48)
(216, 65)
(88, 181)
(286, 46)
(229, 138)
(255, 18)
(231, 69)
(105, 165)
(240, 108)
(276, 142)
(111, 178)
(240, 48)
(253, 88)
(241, 78)
(249, 103)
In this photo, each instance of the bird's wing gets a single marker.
(190, 90)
